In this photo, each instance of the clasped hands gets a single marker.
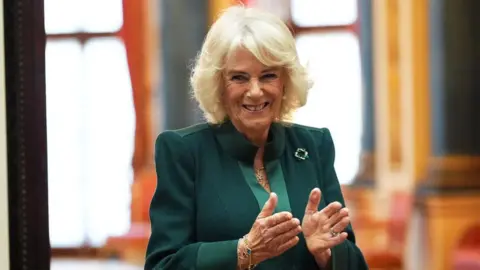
(273, 234)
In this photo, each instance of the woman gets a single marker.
(248, 189)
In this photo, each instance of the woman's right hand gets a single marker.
(272, 234)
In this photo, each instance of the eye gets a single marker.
(239, 78)
(270, 76)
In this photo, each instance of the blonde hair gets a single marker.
(268, 38)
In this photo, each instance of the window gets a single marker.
(328, 44)
(318, 13)
(90, 122)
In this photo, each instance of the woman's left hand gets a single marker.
(323, 229)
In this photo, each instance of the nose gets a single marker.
(255, 89)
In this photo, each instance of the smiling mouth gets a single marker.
(256, 108)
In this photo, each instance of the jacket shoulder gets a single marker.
(182, 140)
(190, 130)
(183, 134)
(319, 135)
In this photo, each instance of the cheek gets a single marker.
(275, 91)
(231, 96)
(277, 107)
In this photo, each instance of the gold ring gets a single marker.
(332, 233)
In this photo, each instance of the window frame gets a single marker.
(352, 28)
(83, 37)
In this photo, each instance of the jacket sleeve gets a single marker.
(346, 255)
(172, 244)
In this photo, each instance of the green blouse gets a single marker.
(276, 181)
(207, 196)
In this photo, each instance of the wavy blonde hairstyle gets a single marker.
(268, 38)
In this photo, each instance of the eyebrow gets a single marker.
(271, 69)
(233, 71)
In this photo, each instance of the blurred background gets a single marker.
(395, 82)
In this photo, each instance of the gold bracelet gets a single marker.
(242, 254)
(249, 253)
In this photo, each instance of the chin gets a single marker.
(257, 124)
(248, 122)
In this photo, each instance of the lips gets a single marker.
(256, 108)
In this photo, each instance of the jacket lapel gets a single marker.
(301, 176)
(238, 200)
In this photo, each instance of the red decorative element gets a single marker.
(395, 227)
(467, 255)
(135, 33)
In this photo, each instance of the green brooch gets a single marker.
(301, 154)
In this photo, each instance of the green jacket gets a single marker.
(207, 197)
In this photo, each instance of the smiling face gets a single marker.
(253, 92)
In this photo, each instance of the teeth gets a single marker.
(255, 107)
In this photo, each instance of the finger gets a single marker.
(283, 227)
(284, 237)
(313, 201)
(337, 240)
(335, 218)
(287, 245)
(269, 206)
(340, 226)
(331, 209)
(277, 218)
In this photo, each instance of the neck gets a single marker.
(258, 135)
(258, 138)
(258, 160)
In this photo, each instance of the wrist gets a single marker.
(244, 254)
(323, 258)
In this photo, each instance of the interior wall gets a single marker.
(4, 256)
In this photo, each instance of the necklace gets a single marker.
(261, 179)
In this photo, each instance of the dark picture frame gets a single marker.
(29, 246)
